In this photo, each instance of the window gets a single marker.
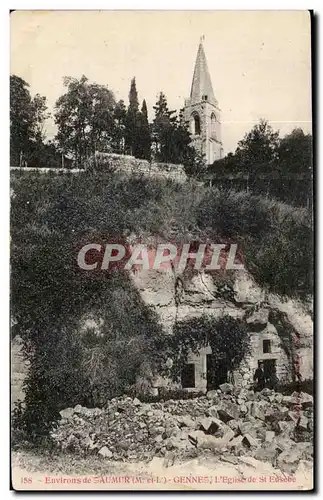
(266, 347)
(188, 376)
(195, 124)
(213, 126)
(204, 97)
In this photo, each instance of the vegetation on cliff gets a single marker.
(53, 215)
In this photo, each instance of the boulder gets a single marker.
(213, 426)
(257, 410)
(212, 394)
(186, 421)
(78, 409)
(67, 413)
(87, 443)
(234, 425)
(176, 442)
(226, 388)
(293, 416)
(205, 424)
(302, 423)
(288, 460)
(291, 401)
(250, 441)
(243, 409)
(306, 400)
(245, 427)
(213, 411)
(196, 436)
(266, 454)
(105, 452)
(212, 442)
(266, 392)
(278, 397)
(236, 441)
(270, 435)
(228, 411)
(286, 428)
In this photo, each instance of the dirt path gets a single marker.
(67, 472)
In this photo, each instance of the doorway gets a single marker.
(216, 372)
(269, 371)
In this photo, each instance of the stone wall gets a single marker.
(132, 165)
(121, 163)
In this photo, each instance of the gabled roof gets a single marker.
(201, 84)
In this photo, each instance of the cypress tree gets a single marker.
(143, 143)
(132, 119)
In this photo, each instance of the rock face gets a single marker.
(281, 332)
(129, 430)
(19, 368)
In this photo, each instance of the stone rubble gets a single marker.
(265, 426)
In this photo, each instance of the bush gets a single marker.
(276, 240)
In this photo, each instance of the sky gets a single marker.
(259, 61)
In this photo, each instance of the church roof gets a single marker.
(201, 84)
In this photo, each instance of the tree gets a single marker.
(84, 116)
(143, 139)
(257, 151)
(45, 155)
(163, 129)
(194, 164)
(131, 132)
(118, 137)
(27, 117)
(295, 153)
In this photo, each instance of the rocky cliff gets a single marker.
(286, 323)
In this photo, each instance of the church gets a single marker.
(202, 112)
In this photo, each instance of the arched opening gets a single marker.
(213, 126)
(195, 124)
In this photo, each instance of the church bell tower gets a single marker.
(202, 112)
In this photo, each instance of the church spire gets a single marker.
(202, 89)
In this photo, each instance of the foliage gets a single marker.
(143, 146)
(118, 133)
(295, 153)
(261, 151)
(172, 140)
(45, 155)
(53, 216)
(276, 240)
(131, 129)
(265, 164)
(228, 338)
(195, 166)
(68, 364)
(84, 116)
(27, 117)
(258, 149)
(137, 130)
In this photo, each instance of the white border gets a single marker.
(4, 169)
